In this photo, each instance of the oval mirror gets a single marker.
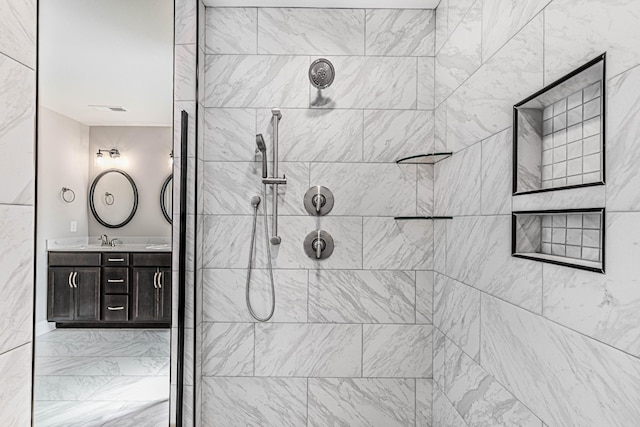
(113, 198)
(166, 198)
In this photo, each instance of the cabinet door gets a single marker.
(164, 311)
(145, 295)
(87, 293)
(60, 301)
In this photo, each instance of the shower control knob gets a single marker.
(318, 200)
(318, 245)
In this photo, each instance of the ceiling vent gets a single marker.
(108, 108)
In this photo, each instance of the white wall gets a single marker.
(63, 161)
(145, 157)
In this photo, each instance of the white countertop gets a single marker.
(123, 244)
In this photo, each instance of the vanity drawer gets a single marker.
(115, 280)
(115, 258)
(74, 259)
(152, 259)
(115, 308)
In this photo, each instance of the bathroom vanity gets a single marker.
(104, 287)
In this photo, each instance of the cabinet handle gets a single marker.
(115, 308)
(75, 279)
(69, 279)
(155, 280)
(115, 259)
(160, 279)
(115, 280)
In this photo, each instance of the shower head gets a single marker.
(262, 147)
(321, 73)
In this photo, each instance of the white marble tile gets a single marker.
(75, 414)
(17, 126)
(564, 377)
(359, 190)
(397, 32)
(391, 135)
(315, 135)
(184, 76)
(18, 30)
(137, 413)
(368, 82)
(15, 393)
(479, 254)
(231, 30)
(68, 387)
(602, 306)
(132, 389)
(118, 348)
(225, 300)
(229, 187)
(227, 239)
(424, 400)
(123, 365)
(622, 151)
(397, 245)
(425, 190)
(457, 12)
(502, 19)
(16, 276)
(444, 413)
(478, 397)
(354, 296)
(440, 128)
(426, 83)
(227, 349)
(456, 312)
(401, 351)
(258, 81)
(361, 402)
(578, 31)
(497, 172)
(254, 402)
(440, 245)
(308, 350)
(438, 340)
(457, 193)
(424, 297)
(483, 105)
(230, 134)
(185, 22)
(561, 199)
(300, 31)
(442, 30)
(460, 56)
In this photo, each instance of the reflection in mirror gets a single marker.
(166, 199)
(559, 133)
(113, 198)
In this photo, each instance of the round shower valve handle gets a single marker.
(318, 245)
(318, 200)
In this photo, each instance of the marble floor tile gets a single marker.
(15, 392)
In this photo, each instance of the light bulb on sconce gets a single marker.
(171, 159)
(114, 156)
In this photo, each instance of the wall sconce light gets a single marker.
(171, 159)
(114, 154)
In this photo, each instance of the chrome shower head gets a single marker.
(262, 147)
(321, 73)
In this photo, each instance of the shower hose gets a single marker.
(251, 254)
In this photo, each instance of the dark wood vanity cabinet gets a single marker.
(109, 289)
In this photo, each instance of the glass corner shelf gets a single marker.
(424, 159)
(423, 218)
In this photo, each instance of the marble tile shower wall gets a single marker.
(519, 342)
(350, 342)
(18, 28)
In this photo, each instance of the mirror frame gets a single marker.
(163, 192)
(93, 206)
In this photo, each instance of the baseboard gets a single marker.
(44, 327)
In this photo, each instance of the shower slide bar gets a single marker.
(275, 180)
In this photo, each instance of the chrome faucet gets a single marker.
(113, 242)
(104, 240)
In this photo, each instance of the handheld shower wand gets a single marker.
(262, 148)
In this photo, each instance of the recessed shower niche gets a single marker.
(573, 238)
(559, 133)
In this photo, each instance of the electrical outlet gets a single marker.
(74, 226)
